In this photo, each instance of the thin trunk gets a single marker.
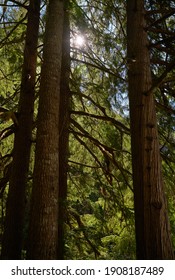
(13, 233)
(43, 232)
(64, 132)
(153, 240)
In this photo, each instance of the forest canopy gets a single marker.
(87, 120)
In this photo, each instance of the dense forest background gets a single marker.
(87, 120)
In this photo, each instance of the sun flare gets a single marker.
(79, 40)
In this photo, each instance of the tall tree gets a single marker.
(64, 119)
(153, 239)
(43, 232)
(12, 239)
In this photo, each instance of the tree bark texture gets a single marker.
(13, 233)
(153, 240)
(43, 232)
(64, 121)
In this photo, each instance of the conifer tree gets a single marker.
(13, 233)
(153, 240)
(43, 231)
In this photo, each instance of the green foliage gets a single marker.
(99, 214)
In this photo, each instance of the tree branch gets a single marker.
(160, 80)
(82, 228)
(117, 124)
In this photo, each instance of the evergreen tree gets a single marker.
(89, 214)
(13, 232)
(153, 238)
(43, 231)
(64, 121)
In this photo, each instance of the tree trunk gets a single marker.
(13, 233)
(153, 239)
(64, 132)
(43, 232)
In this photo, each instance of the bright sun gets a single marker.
(79, 40)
